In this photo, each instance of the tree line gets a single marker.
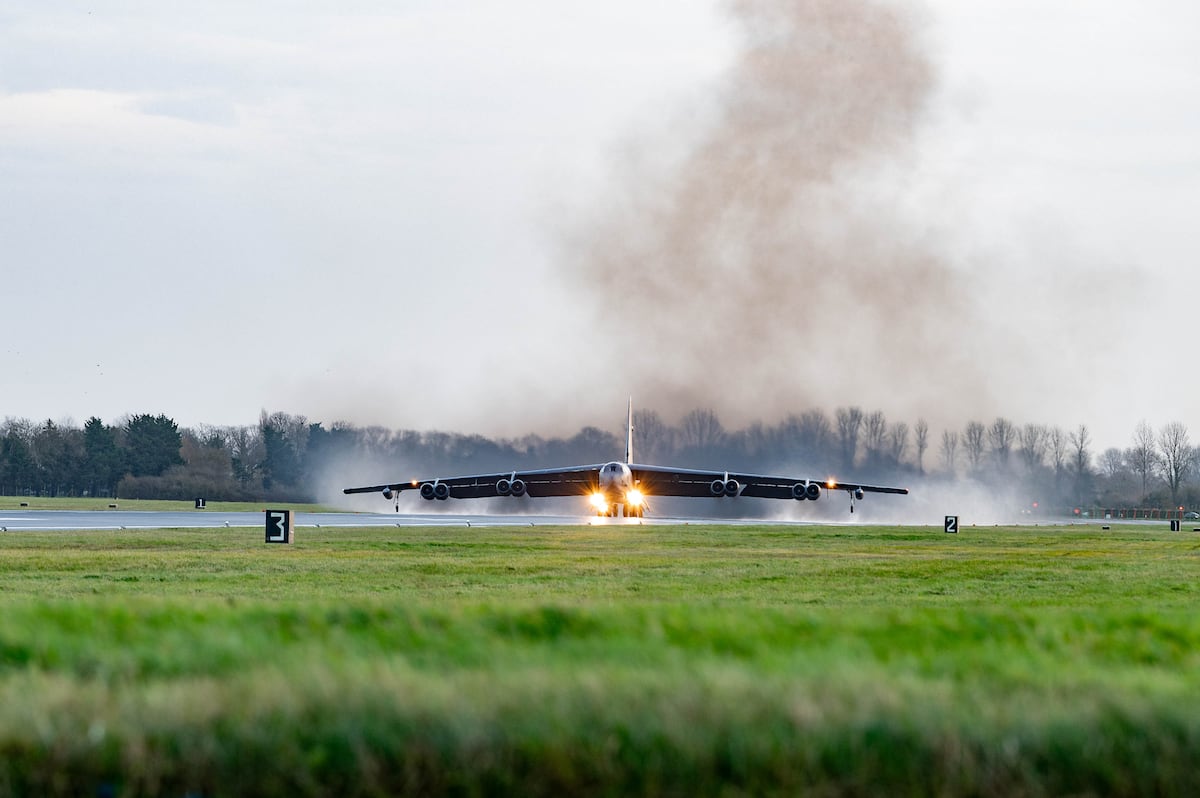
(285, 457)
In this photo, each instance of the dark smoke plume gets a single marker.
(758, 263)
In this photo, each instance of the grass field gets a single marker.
(610, 660)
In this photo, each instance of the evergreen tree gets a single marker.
(152, 445)
(18, 472)
(57, 451)
(103, 462)
(284, 438)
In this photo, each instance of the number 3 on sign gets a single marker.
(279, 526)
(952, 524)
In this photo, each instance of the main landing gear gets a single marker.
(614, 511)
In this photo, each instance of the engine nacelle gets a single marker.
(799, 491)
(503, 487)
(387, 494)
(517, 488)
(717, 487)
(858, 493)
(427, 491)
(813, 491)
(732, 487)
(441, 491)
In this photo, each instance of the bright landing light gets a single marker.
(635, 498)
(598, 501)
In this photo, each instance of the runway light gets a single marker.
(599, 501)
(635, 498)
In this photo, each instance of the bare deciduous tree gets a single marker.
(756, 440)
(898, 441)
(875, 435)
(849, 422)
(973, 438)
(1032, 439)
(701, 429)
(1000, 438)
(950, 451)
(1112, 462)
(1143, 455)
(1057, 440)
(1176, 456)
(247, 450)
(1081, 458)
(651, 437)
(814, 430)
(922, 435)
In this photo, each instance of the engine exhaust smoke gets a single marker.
(760, 263)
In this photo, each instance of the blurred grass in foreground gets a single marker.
(601, 660)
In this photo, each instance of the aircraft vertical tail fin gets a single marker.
(629, 434)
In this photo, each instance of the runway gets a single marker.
(29, 520)
(48, 520)
(64, 520)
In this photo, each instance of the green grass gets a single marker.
(157, 505)
(604, 660)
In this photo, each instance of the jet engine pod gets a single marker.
(799, 491)
(503, 487)
(717, 487)
(427, 490)
(813, 491)
(441, 491)
(518, 487)
(387, 494)
(731, 487)
(858, 493)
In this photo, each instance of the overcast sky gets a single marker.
(362, 211)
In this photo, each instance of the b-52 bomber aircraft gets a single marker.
(609, 487)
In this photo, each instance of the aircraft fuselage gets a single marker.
(616, 486)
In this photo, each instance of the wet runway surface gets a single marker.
(31, 520)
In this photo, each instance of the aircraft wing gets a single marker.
(570, 481)
(663, 481)
(650, 480)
